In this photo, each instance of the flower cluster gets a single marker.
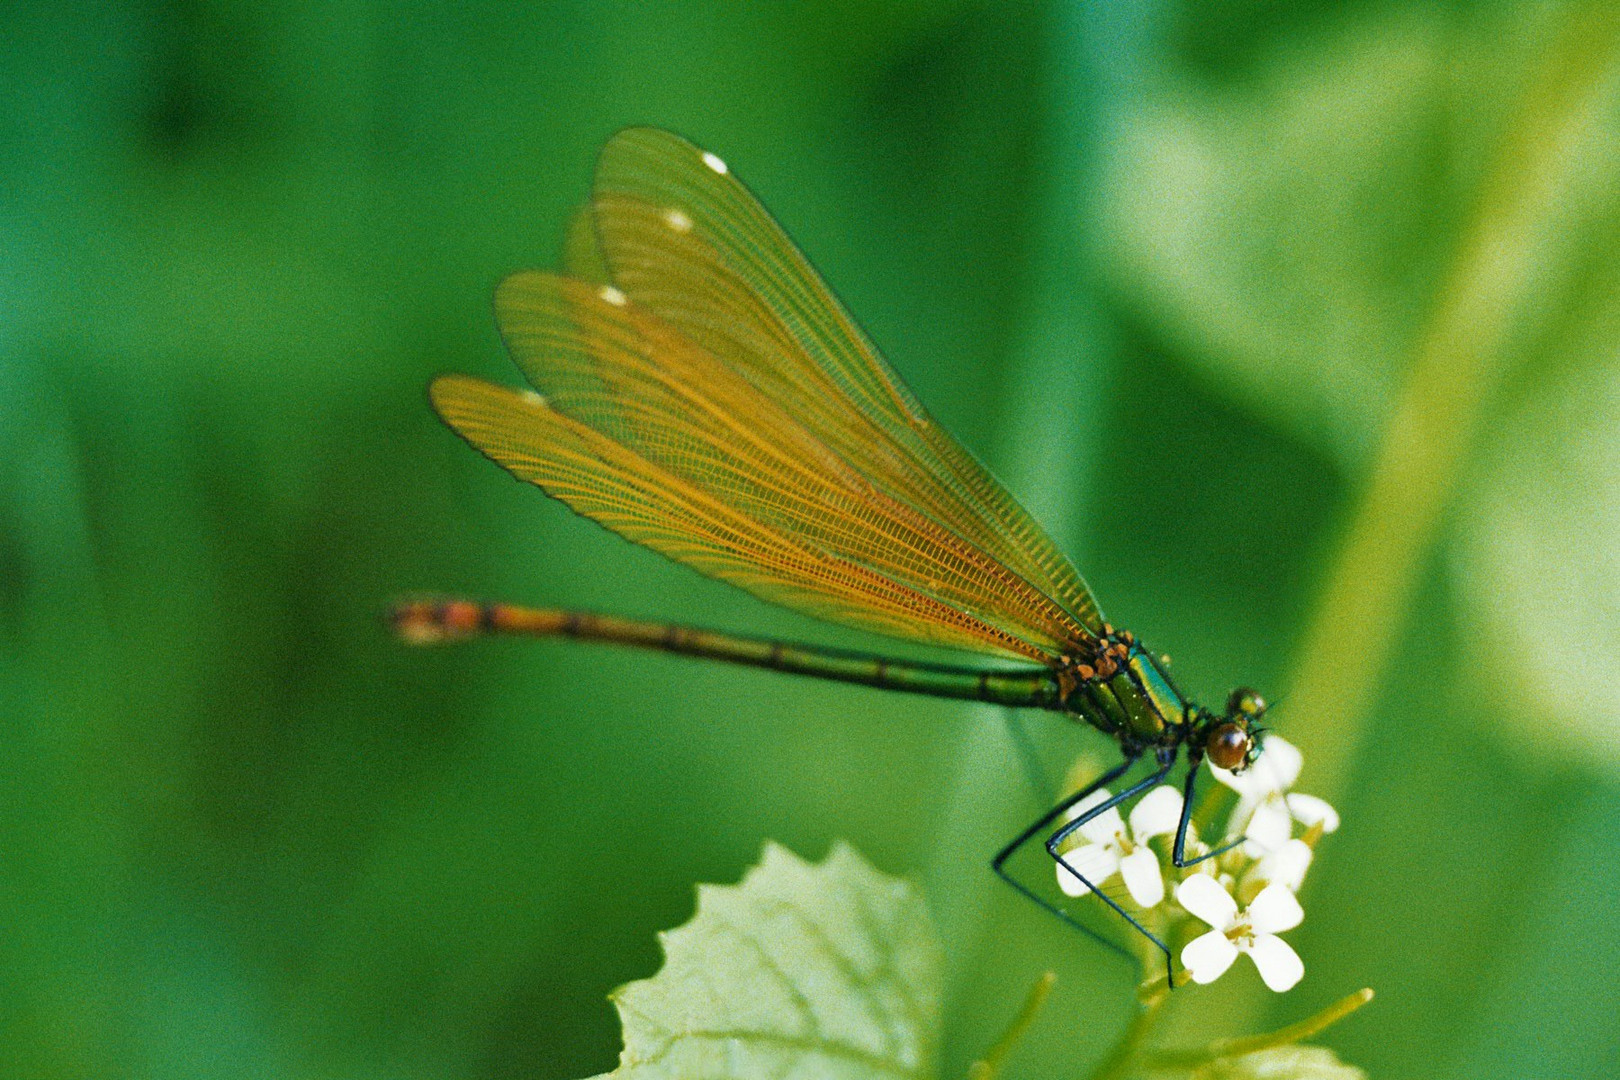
(1246, 895)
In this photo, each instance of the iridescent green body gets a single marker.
(1138, 702)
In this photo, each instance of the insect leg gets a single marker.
(1178, 854)
(999, 863)
(1052, 842)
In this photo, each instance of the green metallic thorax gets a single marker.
(1138, 702)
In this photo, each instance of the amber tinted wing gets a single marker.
(684, 239)
(610, 483)
(739, 422)
(630, 376)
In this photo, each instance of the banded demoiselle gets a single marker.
(699, 390)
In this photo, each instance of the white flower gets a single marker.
(1253, 930)
(1266, 809)
(1285, 866)
(1114, 849)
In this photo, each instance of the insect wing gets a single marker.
(684, 239)
(612, 484)
(740, 422)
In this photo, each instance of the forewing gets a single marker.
(683, 239)
(632, 377)
(611, 483)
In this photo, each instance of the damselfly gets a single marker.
(699, 390)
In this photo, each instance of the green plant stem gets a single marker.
(1130, 1041)
(1284, 1036)
(1510, 257)
(1483, 307)
(989, 1066)
(1514, 253)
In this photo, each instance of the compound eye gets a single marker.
(1228, 747)
(1246, 702)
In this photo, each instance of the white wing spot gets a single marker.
(611, 295)
(532, 398)
(678, 221)
(715, 163)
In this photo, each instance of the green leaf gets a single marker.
(1280, 1063)
(829, 970)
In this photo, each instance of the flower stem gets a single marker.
(1130, 1041)
(1284, 1036)
(1512, 254)
(1504, 264)
(989, 1066)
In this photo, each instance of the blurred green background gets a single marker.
(1176, 271)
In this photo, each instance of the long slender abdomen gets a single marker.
(428, 622)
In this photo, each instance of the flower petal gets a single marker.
(1096, 862)
(1286, 866)
(1204, 897)
(1106, 826)
(1279, 763)
(1158, 813)
(1242, 814)
(1246, 783)
(1308, 810)
(1096, 798)
(1274, 910)
(1207, 956)
(1268, 828)
(1279, 965)
(1143, 878)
